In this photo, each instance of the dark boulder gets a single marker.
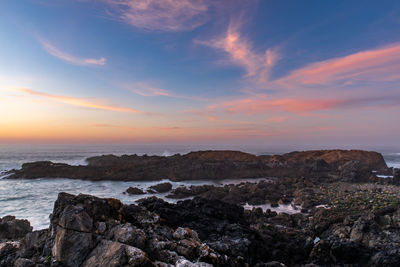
(12, 228)
(162, 188)
(135, 191)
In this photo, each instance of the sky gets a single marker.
(200, 71)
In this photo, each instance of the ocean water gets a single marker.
(34, 199)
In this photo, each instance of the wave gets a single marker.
(4, 175)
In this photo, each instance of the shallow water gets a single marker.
(34, 199)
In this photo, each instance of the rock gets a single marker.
(12, 228)
(135, 191)
(71, 247)
(90, 231)
(396, 176)
(274, 205)
(111, 254)
(73, 237)
(181, 233)
(186, 263)
(8, 251)
(162, 188)
(21, 262)
(128, 234)
(33, 244)
(213, 165)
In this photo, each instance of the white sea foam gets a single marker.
(384, 176)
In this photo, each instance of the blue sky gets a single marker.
(200, 71)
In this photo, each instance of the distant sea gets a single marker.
(33, 199)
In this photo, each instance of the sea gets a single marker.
(33, 199)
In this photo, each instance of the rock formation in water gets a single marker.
(347, 165)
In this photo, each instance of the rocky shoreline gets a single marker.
(358, 226)
(346, 215)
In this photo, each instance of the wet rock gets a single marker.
(162, 188)
(135, 191)
(274, 205)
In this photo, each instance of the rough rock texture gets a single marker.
(359, 226)
(351, 165)
(12, 228)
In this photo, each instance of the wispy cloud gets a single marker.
(160, 15)
(54, 51)
(252, 106)
(80, 102)
(242, 53)
(380, 65)
(145, 89)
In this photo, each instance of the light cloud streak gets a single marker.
(79, 102)
(145, 89)
(379, 65)
(160, 15)
(251, 106)
(54, 51)
(242, 53)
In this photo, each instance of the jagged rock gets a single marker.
(33, 244)
(21, 262)
(90, 231)
(162, 188)
(72, 247)
(8, 253)
(115, 254)
(12, 228)
(128, 234)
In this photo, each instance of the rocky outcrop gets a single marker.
(134, 191)
(350, 165)
(12, 228)
(90, 231)
(162, 188)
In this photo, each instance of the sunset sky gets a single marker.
(200, 71)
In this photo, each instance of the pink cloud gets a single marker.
(381, 64)
(252, 106)
(52, 50)
(278, 119)
(242, 53)
(160, 15)
(80, 102)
